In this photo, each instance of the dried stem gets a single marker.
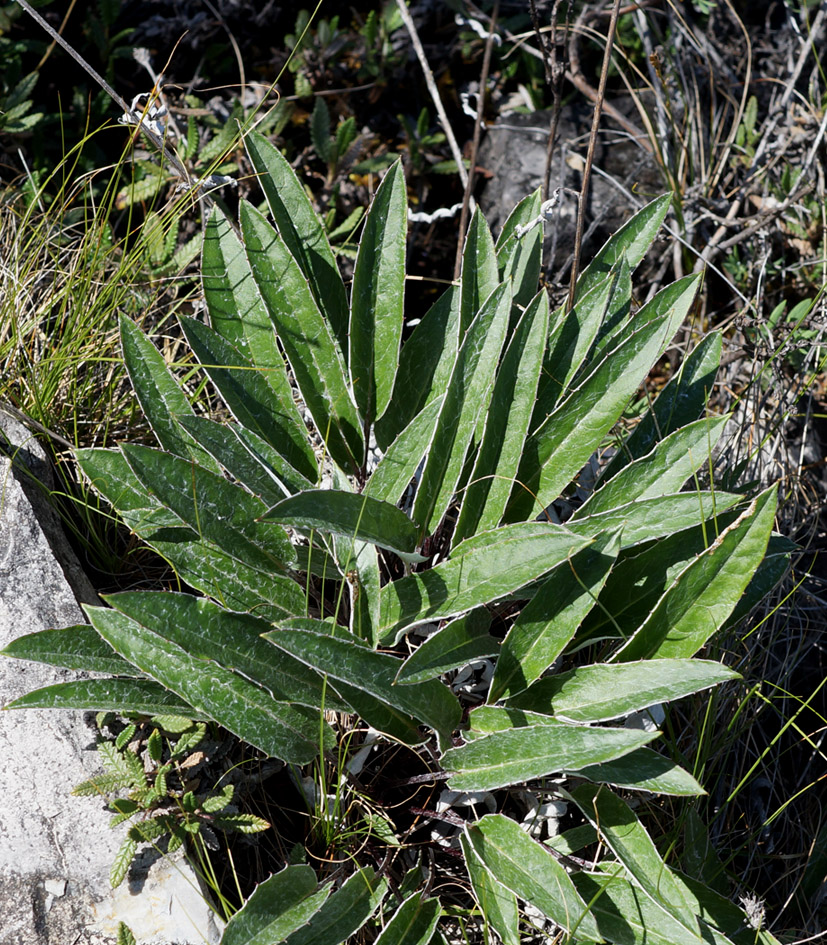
(584, 192)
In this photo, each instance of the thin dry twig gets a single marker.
(584, 193)
(475, 143)
(433, 90)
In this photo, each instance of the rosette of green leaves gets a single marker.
(306, 568)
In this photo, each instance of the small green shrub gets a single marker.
(365, 488)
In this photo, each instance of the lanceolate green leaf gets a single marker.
(506, 424)
(645, 519)
(217, 510)
(301, 230)
(531, 872)
(475, 575)
(250, 399)
(479, 270)
(497, 903)
(238, 313)
(643, 770)
(351, 515)
(344, 912)
(278, 907)
(535, 751)
(284, 731)
(662, 471)
(550, 619)
(625, 915)
(398, 466)
(706, 592)
(376, 303)
(681, 401)
(456, 644)
(466, 399)
(413, 923)
(566, 439)
(78, 647)
(519, 257)
(258, 467)
(159, 395)
(303, 331)
(232, 640)
(143, 696)
(425, 365)
(604, 691)
(429, 701)
(633, 240)
(627, 838)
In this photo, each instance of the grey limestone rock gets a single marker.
(56, 849)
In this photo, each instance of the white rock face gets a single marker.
(55, 849)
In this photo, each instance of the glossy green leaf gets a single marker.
(430, 701)
(301, 230)
(250, 398)
(413, 923)
(238, 313)
(519, 257)
(466, 400)
(497, 903)
(620, 829)
(573, 335)
(377, 297)
(78, 647)
(232, 640)
(531, 872)
(456, 644)
(248, 711)
(646, 519)
(474, 575)
(398, 466)
(344, 912)
(220, 512)
(305, 335)
(603, 691)
(351, 515)
(535, 751)
(550, 619)
(643, 770)
(632, 240)
(506, 424)
(568, 436)
(158, 393)
(660, 472)
(625, 915)
(681, 401)
(480, 275)
(142, 696)
(278, 907)
(425, 364)
(705, 593)
(270, 478)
